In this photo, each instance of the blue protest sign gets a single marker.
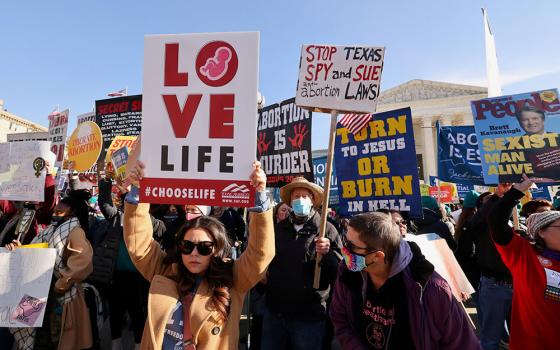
(541, 192)
(458, 155)
(319, 170)
(376, 167)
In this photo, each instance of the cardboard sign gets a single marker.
(120, 142)
(458, 155)
(199, 121)
(519, 134)
(84, 146)
(341, 78)
(284, 143)
(58, 125)
(121, 116)
(23, 170)
(376, 167)
(86, 117)
(436, 251)
(26, 280)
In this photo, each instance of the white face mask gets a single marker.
(302, 206)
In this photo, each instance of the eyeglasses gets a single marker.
(204, 248)
(401, 222)
(352, 248)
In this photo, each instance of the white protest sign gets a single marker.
(86, 117)
(26, 278)
(341, 78)
(199, 118)
(436, 251)
(22, 174)
(58, 128)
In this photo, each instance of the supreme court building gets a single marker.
(431, 101)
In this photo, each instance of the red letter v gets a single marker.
(181, 120)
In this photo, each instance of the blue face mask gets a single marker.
(301, 206)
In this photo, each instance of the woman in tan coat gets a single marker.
(73, 263)
(196, 298)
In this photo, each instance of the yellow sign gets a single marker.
(84, 146)
(120, 142)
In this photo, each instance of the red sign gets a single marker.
(444, 193)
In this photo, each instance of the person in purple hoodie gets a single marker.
(388, 296)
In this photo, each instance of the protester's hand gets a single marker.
(12, 246)
(322, 245)
(258, 177)
(133, 156)
(71, 165)
(525, 185)
(48, 167)
(136, 173)
(109, 171)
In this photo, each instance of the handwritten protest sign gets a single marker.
(518, 134)
(26, 279)
(22, 170)
(84, 146)
(58, 125)
(86, 117)
(458, 155)
(118, 116)
(199, 121)
(341, 78)
(120, 142)
(376, 167)
(436, 251)
(319, 170)
(284, 143)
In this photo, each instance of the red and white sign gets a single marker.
(443, 193)
(58, 129)
(199, 118)
(341, 78)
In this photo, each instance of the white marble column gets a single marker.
(429, 150)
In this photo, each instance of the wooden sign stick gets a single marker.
(327, 189)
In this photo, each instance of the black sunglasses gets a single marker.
(204, 248)
(352, 248)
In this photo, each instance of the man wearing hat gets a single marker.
(296, 312)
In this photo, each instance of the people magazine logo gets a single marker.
(235, 193)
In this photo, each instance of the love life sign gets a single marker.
(199, 119)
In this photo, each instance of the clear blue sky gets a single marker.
(73, 52)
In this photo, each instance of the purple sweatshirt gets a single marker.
(436, 319)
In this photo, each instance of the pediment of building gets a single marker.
(417, 90)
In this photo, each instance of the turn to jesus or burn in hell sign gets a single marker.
(199, 119)
(341, 78)
(376, 167)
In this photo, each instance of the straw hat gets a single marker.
(301, 182)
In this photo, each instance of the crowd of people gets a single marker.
(181, 274)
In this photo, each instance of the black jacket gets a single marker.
(477, 235)
(432, 223)
(289, 288)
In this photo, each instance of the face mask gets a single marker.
(301, 206)
(170, 217)
(192, 216)
(355, 262)
(57, 220)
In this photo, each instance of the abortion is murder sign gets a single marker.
(199, 120)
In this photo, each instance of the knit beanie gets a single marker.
(537, 221)
(430, 203)
(470, 199)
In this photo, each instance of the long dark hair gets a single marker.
(77, 200)
(219, 275)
